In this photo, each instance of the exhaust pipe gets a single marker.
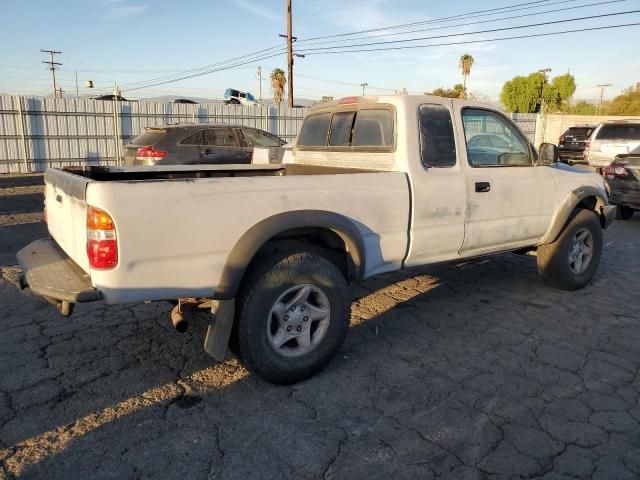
(180, 318)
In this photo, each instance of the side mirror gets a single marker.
(547, 154)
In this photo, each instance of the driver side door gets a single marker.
(509, 200)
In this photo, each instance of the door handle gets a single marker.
(208, 151)
(482, 187)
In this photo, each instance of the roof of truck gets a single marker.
(399, 99)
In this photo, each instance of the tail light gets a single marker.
(561, 138)
(150, 152)
(102, 243)
(587, 143)
(615, 170)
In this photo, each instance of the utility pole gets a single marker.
(60, 91)
(364, 85)
(602, 86)
(290, 54)
(52, 66)
(260, 84)
(77, 92)
(544, 72)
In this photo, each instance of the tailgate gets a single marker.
(67, 212)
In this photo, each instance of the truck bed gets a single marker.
(177, 225)
(169, 172)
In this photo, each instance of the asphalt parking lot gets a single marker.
(477, 370)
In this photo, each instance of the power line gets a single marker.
(388, 42)
(524, 15)
(227, 67)
(467, 42)
(487, 12)
(207, 68)
(210, 66)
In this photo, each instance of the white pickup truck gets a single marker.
(377, 184)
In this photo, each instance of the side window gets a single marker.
(315, 130)
(195, 139)
(220, 137)
(341, 124)
(437, 143)
(255, 138)
(373, 128)
(493, 141)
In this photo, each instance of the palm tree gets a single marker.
(278, 82)
(466, 62)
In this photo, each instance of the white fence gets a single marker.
(38, 132)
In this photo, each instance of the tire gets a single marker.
(624, 213)
(558, 262)
(297, 282)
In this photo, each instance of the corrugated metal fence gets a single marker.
(38, 132)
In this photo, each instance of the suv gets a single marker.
(572, 143)
(612, 138)
(205, 143)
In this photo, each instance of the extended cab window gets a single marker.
(315, 130)
(493, 141)
(437, 143)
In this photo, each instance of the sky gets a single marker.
(128, 41)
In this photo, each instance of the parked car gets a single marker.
(193, 144)
(571, 144)
(612, 138)
(623, 182)
(377, 184)
(236, 97)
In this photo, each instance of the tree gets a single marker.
(524, 94)
(566, 87)
(278, 82)
(466, 62)
(583, 108)
(628, 103)
(456, 92)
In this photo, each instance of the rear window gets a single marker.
(341, 128)
(315, 130)
(356, 128)
(579, 132)
(629, 131)
(149, 137)
(373, 128)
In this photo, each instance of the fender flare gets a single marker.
(569, 205)
(253, 239)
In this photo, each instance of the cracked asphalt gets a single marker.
(468, 371)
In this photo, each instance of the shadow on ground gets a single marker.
(472, 371)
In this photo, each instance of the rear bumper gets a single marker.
(628, 199)
(50, 273)
(608, 215)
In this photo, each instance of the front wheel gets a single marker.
(570, 262)
(293, 317)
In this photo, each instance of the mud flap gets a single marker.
(217, 339)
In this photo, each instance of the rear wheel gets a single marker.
(293, 317)
(570, 262)
(624, 213)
